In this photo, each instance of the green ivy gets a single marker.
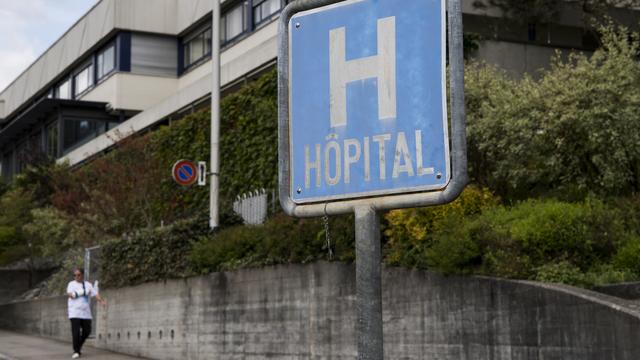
(248, 144)
(150, 254)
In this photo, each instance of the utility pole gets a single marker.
(215, 115)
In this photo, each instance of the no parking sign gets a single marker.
(186, 172)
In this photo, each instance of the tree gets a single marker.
(573, 131)
(116, 193)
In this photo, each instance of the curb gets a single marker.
(6, 357)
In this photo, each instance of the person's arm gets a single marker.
(70, 293)
(95, 294)
(101, 300)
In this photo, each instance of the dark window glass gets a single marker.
(112, 125)
(79, 131)
(22, 156)
(52, 140)
(7, 165)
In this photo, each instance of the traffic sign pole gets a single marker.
(215, 115)
(368, 284)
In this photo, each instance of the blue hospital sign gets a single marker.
(367, 100)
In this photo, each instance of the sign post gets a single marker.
(368, 284)
(214, 160)
(363, 125)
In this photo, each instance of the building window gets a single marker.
(83, 80)
(64, 90)
(197, 47)
(263, 9)
(7, 165)
(52, 140)
(106, 61)
(22, 156)
(79, 131)
(233, 23)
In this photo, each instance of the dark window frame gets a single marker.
(89, 65)
(52, 145)
(246, 22)
(68, 79)
(100, 78)
(98, 130)
(264, 19)
(185, 47)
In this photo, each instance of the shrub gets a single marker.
(562, 272)
(545, 239)
(281, 240)
(628, 256)
(56, 284)
(150, 254)
(409, 232)
(570, 133)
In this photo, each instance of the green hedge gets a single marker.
(409, 232)
(546, 240)
(150, 254)
(281, 240)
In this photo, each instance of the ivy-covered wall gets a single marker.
(248, 143)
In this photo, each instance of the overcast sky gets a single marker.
(29, 27)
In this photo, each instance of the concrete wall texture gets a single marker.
(14, 283)
(308, 312)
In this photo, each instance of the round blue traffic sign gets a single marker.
(185, 172)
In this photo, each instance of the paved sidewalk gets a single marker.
(15, 346)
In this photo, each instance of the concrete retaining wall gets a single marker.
(308, 311)
(14, 283)
(629, 291)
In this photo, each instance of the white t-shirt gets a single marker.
(79, 307)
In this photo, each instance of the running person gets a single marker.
(80, 293)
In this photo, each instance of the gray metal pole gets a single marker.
(215, 115)
(368, 284)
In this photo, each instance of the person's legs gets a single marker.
(86, 331)
(75, 334)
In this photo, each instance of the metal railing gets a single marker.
(253, 206)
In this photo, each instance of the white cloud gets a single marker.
(29, 27)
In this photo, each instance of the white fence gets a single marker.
(253, 206)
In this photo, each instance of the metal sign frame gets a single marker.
(458, 152)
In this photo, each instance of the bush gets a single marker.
(150, 254)
(536, 239)
(570, 133)
(56, 284)
(628, 256)
(281, 240)
(562, 272)
(409, 232)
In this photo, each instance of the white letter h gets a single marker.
(381, 66)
